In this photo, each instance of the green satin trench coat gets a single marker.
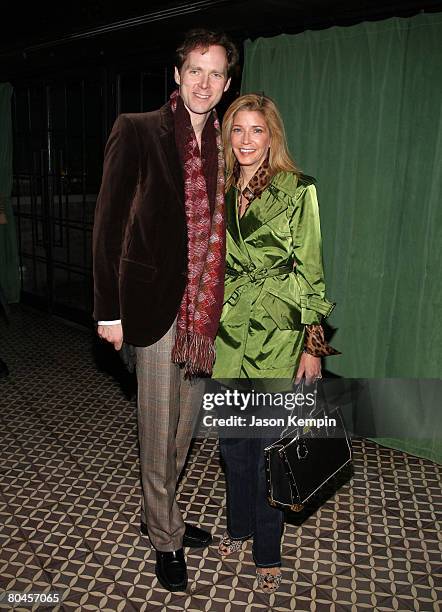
(274, 282)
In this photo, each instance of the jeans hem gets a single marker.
(277, 564)
(242, 538)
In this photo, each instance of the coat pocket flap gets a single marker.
(140, 272)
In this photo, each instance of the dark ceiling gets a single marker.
(41, 36)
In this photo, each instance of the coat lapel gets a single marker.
(272, 202)
(236, 247)
(167, 140)
(232, 216)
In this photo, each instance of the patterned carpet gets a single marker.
(69, 503)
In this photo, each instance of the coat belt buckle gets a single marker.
(256, 274)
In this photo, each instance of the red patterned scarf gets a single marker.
(200, 310)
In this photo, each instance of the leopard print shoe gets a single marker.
(268, 582)
(228, 545)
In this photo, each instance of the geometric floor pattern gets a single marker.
(70, 495)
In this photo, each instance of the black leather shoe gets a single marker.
(171, 570)
(194, 537)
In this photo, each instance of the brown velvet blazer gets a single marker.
(139, 238)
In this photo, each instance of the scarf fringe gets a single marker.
(197, 353)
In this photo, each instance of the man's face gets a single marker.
(203, 79)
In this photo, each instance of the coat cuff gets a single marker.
(314, 308)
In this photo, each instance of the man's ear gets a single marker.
(227, 85)
(177, 76)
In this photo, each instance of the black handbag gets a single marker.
(305, 459)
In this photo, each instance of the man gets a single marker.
(159, 254)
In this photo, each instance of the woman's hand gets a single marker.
(310, 367)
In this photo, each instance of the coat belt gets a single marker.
(238, 278)
(255, 274)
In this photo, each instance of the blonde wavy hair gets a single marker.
(279, 158)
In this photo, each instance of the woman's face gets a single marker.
(250, 139)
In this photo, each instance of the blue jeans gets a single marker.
(248, 511)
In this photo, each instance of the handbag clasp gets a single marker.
(296, 507)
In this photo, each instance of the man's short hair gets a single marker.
(200, 37)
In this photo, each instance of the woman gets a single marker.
(273, 304)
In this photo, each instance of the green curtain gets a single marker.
(362, 110)
(9, 270)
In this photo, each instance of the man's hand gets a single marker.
(112, 334)
(310, 367)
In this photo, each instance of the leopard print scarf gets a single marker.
(257, 184)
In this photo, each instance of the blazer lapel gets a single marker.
(167, 140)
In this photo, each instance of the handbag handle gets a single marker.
(320, 399)
(299, 389)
